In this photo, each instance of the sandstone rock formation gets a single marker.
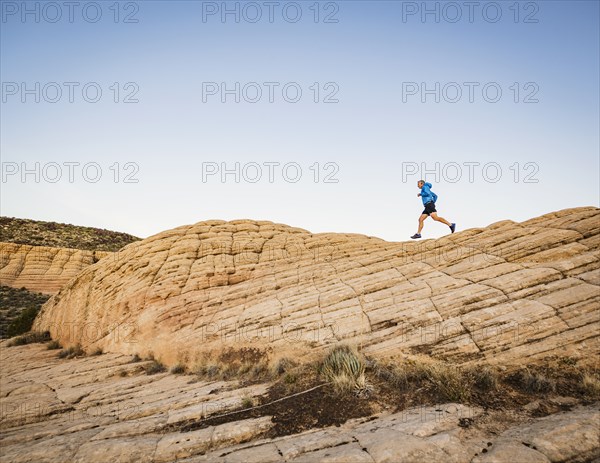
(507, 293)
(84, 410)
(42, 269)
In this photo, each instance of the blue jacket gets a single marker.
(427, 195)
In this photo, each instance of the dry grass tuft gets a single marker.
(178, 369)
(71, 352)
(154, 367)
(590, 383)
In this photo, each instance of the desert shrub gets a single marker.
(441, 380)
(154, 367)
(344, 368)
(208, 370)
(568, 361)
(53, 345)
(290, 378)
(590, 383)
(484, 378)
(247, 402)
(72, 352)
(29, 338)
(213, 370)
(97, 351)
(229, 372)
(448, 382)
(136, 358)
(178, 369)
(244, 368)
(23, 322)
(281, 366)
(534, 381)
(259, 370)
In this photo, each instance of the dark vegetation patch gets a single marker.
(53, 345)
(320, 407)
(18, 308)
(71, 352)
(60, 235)
(153, 367)
(29, 338)
(407, 384)
(338, 388)
(178, 369)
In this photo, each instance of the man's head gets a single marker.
(420, 183)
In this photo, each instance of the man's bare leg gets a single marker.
(437, 218)
(421, 222)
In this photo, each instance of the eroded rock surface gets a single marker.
(42, 269)
(506, 293)
(85, 410)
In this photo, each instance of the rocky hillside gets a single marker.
(41, 257)
(18, 308)
(44, 256)
(60, 235)
(42, 269)
(509, 293)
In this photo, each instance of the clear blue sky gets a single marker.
(374, 60)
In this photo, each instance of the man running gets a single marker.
(429, 198)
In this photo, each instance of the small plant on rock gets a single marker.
(178, 369)
(154, 367)
(53, 345)
(72, 352)
(344, 367)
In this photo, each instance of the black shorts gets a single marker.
(429, 208)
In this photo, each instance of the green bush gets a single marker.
(23, 322)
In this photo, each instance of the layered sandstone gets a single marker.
(507, 293)
(42, 269)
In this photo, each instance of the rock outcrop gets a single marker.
(507, 293)
(42, 269)
(85, 410)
